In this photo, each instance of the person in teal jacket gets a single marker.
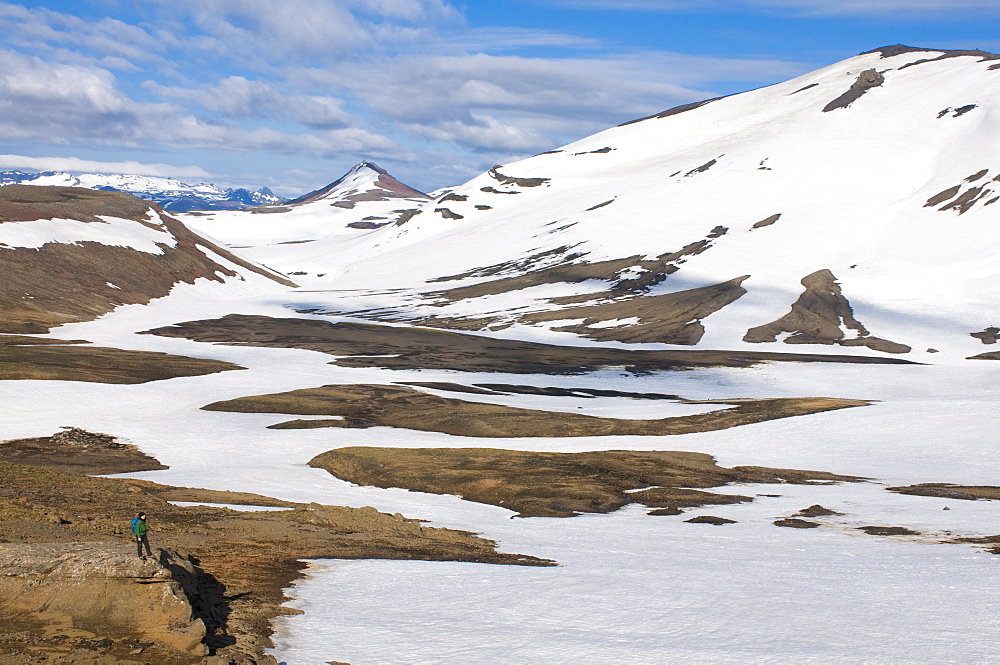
(140, 530)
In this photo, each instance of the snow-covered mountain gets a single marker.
(852, 206)
(304, 233)
(170, 193)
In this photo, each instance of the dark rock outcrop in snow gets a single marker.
(820, 316)
(866, 80)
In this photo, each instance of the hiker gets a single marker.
(139, 529)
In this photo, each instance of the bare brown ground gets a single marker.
(77, 451)
(556, 484)
(60, 283)
(948, 491)
(244, 559)
(397, 347)
(23, 357)
(550, 391)
(397, 406)
(672, 318)
(571, 270)
(866, 80)
(816, 318)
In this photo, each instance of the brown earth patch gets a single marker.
(968, 199)
(29, 360)
(992, 542)
(989, 336)
(600, 205)
(796, 523)
(701, 169)
(555, 484)
(397, 347)
(27, 203)
(710, 519)
(28, 340)
(520, 182)
(561, 255)
(77, 451)
(816, 510)
(866, 80)
(570, 271)
(60, 283)
(983, 56)
(406, 215)
(683, 108)
(508, 389)
(817, 316)
(943, 196)
(396, 406)
(366, 225)
(989, 355)
(888, 531)
(493, 190)
(949, 491)
(767, 221)
(448, 214)
(672, 318)
(241, 560)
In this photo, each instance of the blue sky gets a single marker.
(291, 93)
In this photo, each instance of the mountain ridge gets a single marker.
(171, 194)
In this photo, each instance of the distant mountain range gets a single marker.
(171, 194)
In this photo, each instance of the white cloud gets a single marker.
(75, 165)
(57, 103)
(45, 31)
(238, 97)
(488, 102)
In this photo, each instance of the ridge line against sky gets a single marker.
(290, 94)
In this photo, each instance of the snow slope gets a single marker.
(302, 237)
(775, 185)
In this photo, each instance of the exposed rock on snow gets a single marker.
(45, 359)
(867, 80)
(767, 221)
(362, 406)
(672, 318)
(989, 336)
(519, 182)
(821, 315)
(558, 484)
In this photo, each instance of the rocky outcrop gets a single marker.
(821, 315)
(866, 80)
(103, 590)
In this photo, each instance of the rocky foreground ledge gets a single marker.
(73, 591)
(103, 592)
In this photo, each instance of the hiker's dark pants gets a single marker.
(139, 542)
